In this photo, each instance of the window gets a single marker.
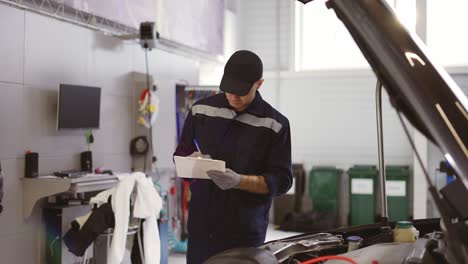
(323, 42)
(447, 31)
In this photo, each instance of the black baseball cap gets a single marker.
(242, 70)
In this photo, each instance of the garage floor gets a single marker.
(272, 234)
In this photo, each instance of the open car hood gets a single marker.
(423, 92)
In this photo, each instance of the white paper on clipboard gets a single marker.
(196, 168)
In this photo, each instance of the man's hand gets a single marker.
(225, 180)
(230, 179)
(254, 184)
(197, 154)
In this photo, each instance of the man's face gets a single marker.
(240, 103)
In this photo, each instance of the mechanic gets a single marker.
(231, 210)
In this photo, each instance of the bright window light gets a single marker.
(447, 37)
(324, 43)
(406, 12)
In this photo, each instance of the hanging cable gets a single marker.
(149, 112)
(148, 90)
(325, 258)
(149, 100)
(51, 246)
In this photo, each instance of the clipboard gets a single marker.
(196, 168)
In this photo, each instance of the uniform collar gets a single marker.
(255, 108)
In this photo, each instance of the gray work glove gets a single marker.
(225, 180)
(197, 154)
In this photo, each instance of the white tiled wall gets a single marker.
(109, 63)
(11, 220)
(19, 248)
(60, 46)
(116, 118)
(18, 237)
(11, 109)
(48, 52)
(12, 44)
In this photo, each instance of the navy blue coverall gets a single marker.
(256, 141)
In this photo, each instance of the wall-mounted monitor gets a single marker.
(78, 107)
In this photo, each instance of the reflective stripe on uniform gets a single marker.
(260, 122)
(213, 111)
(245, 118)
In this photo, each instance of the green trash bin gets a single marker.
(362, 194)
(397, 192)
(323, 188)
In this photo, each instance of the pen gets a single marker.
(196, 145)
